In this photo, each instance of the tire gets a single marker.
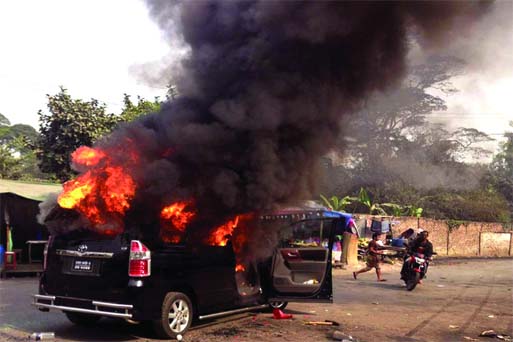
(176, 316)
(82, 319)
(413, 281)
(278, 305)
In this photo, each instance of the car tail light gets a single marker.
(140, 260)
(45, 252)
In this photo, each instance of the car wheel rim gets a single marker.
(179, 315)
(276, 305)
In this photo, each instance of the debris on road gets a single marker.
(340, 336)
(468, 338)
(326, 322)
(494, 334)
(278, 314)
(334, 323)
(42, 336)
(317, 323)
(491, 316)
(375, 303)
(453, 326)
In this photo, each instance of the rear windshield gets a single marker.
(86, 234)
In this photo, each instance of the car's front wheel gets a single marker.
(176, 317)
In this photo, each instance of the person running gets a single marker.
(372, 258)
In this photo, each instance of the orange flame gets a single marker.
(238, 235)
(174, 219)
(87, 156)
(75, 191)
(219, 236)
(103, 193)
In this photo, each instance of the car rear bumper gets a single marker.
(86, 306)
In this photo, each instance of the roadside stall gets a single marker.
(22, 238)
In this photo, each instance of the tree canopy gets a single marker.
(501, 169)
(69, 124)
(17, 150)
(131, 111)
(393, 149)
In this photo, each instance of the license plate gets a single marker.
(82, 266)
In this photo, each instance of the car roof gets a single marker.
(305, 213)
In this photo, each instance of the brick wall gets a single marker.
(464, 239)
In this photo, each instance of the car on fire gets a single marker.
(137, 278)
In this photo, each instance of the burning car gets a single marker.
(172, 283)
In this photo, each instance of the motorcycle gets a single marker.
(415, 270)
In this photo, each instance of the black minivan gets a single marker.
(88, 276)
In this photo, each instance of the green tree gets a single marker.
(69, 124)
(17, 150)
(9, 164)
(393, 150)
(373, 208)
(131, 111)
(336, 203)
(470, 205)
(501, 169)
(4, 121)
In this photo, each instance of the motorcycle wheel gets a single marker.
(413, 281)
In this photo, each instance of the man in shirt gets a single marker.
(372, 258)
(421, 245)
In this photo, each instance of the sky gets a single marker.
(485, 97)
(93, 48)
(86, 46)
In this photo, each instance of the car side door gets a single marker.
(301, 266)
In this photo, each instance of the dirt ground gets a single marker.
(459, 299)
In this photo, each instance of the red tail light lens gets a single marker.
(45, 252)
(140, 260)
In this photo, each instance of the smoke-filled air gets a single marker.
(263, 88)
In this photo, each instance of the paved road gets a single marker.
(459, 299)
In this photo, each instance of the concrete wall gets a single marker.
(495, 244)
(459, 238)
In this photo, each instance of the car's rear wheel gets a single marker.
(82, 318)
(277, 305)
(176, 318)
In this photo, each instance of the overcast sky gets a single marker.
(485, 97)
(90, 47)
(86, 46)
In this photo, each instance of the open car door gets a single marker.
(301, 266)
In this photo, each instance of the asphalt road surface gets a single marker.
(460, 299)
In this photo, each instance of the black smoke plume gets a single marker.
(262, 91)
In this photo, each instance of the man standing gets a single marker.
(372, 258)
